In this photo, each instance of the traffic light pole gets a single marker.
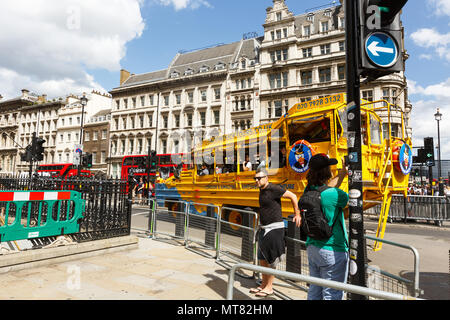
(356, 218)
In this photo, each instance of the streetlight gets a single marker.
(83, 101)
(438, 117)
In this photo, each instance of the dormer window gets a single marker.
(188, 72)
(174, 74)
(278, 16)
(243, 64)
(204, 69)
(327, 13)
(310, 17)
(219, 66)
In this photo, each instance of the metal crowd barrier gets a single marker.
(387, 281)
(313, 280)
(237, 241)
(35, 214)
(202, 230)
(170, 221)
(417, 207)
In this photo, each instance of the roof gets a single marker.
(318, 15)
(206, 59)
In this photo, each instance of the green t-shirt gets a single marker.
(333, 200)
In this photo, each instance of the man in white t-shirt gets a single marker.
(247, 164)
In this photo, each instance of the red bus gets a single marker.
(63, 170)
(137, 165)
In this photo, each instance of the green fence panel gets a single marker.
(36, 214)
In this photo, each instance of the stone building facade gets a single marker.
(239, 85)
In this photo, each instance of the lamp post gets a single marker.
(83, 101)
(438, 117)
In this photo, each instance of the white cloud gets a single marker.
(47, 45)
(441, 7)
(430, 38)
(426, 56)
(183, 4)
(422, 115)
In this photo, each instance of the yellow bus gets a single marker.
(222, 175)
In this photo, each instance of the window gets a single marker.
(61, 138)
(204, 69)
(78, 120)
(131, 146)
(279, 55)
(141, 121)
(285, 32)
(367, 95)
(69, 137)
(272, 34)
(150, 120)
(104, 132)
(124, 123)
(132, 123)
(278, 108)
(191, 97)
(70, 121)
(306, 77)
(174, 74)
(122, 146)
(117, 104)
(94, 157)
(177, 120)
(203, 117)
(164, 146)
(217, 93)
(278, 16)
(327, 13)
(102, 157)
(278, 80)
(341, 72)
(306, 31)
(189, 119)
(243, 64)
(134, 102)
(203, 95)
(216, 116)
(325, 49)
(325, 74)
(95, 137)
(341, 22)
(125, 103)
(77, 137)
(178, 98)
(219, 66)
(166, 101)
(151, 99)
(188, 72)
(278, 34)
(341, 45)
(142, 101)
(310, 17)
(307, 52)
(165, 121)
(324, 26)
(176, 146)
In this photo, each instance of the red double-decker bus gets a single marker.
(165, 166)
(62, 170)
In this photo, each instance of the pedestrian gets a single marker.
(140, 190)
(328, 259)
(247, 164)
(271, 245)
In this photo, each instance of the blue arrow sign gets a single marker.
(381, 49)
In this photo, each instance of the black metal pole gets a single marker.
(356, 219)
(81, 137)
(441, 186)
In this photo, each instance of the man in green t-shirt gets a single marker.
(328, 259)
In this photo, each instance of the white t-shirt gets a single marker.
(248, 165)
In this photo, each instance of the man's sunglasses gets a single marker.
(259, 178)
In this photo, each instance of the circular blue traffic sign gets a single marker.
(381, 49)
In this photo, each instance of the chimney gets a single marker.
(124, 75)
(25, 93)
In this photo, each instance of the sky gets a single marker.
(58, 47)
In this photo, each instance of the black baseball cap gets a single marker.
(320, 161)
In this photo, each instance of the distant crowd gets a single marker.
(427, 190)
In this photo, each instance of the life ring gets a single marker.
(402, 157)
(299, 155)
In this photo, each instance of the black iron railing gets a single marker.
(108, 203)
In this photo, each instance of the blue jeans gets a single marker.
(330, 265)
